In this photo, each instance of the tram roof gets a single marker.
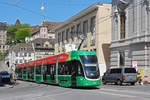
(52, 59)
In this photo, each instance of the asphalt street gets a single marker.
(33, 91)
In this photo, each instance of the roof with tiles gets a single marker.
(35, 29)
(41, 41)
(49, 25)
(17, 47)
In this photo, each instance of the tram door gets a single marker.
(52, 73)
(32, 73)
(73, 72)
(28, 72)
(44, 73)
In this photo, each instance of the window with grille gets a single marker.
(59, 37)
(122, 25)
(121, 58)
(85, 31)
(78, 30)
(67, 34)
(62, 37)
(25, 54)
(29, 54)
(72, 32)
(92, 27)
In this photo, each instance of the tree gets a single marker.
(11, 32)
(21, 34)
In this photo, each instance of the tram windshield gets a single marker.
(90, 64)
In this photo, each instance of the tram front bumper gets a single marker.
(81, 81)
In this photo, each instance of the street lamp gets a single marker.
(42, 8)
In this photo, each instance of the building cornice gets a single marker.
(80, 14)
(130, 41)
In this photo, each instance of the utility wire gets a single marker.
(102, 19)
(25, 9)
(19, 1)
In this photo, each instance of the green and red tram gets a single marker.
(71, 69)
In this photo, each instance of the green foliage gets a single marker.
(16, 30)
(11, 33)
(21, 33)
(25, 25)
(2, 55)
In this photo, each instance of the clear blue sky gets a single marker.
(28, 11)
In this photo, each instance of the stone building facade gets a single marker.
(92, 23)
(3, 36)
(43, 47)
(43, 30)
(19, 53)
(130, 45)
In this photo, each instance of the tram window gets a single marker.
(44, 69)
(72, 68)
(66, 69)
(48, 70)
(29, 69)
(38, 70)
(24, 70)
(75, 68)
(19, 70)
(79, 68)
(60, 69)
(52, 69)
(63, 69)
(32, 70)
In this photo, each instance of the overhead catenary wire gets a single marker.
(25, 9)
(19, 1)
(102, 19)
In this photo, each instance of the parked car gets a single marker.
(120, 75)
(4, 76)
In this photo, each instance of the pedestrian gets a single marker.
(15, 78)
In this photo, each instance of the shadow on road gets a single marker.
(86, 88)
(113, 84)
(3, 84)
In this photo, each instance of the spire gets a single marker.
(17, 22)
